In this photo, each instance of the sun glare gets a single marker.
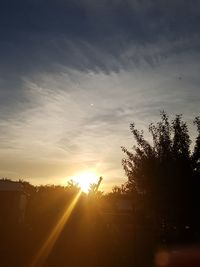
(84, 180)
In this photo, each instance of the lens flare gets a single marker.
(49, 243)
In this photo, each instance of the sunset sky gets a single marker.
(75, 73)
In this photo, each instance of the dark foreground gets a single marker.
(87, 233)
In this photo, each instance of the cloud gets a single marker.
(74, 74)
(62, 129)
(44, 36)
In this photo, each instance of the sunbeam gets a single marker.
(46, 248)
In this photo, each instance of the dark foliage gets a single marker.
(164, 176)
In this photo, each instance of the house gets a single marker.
(13, 201)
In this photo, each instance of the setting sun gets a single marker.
(84, 180)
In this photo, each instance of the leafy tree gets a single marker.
(165, 174)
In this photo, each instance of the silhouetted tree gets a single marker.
(165, 173)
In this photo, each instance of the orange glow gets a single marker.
(49, 243)
(85, 179)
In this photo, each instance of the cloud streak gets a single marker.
(74, 74)
(94, 35)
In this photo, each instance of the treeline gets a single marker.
(164, 178)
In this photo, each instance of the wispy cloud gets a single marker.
(74, 74)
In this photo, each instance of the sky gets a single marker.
(75, 73)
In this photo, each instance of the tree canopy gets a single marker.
(165, 173)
